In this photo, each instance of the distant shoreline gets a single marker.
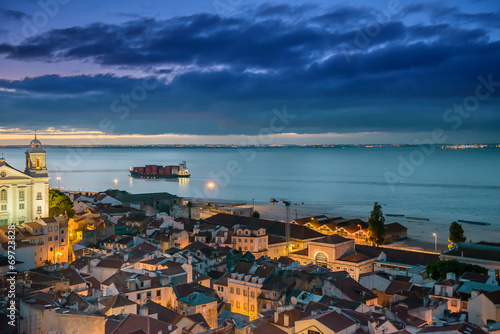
(438, 146)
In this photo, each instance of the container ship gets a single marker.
(163, 172)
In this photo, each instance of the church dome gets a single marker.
(36, 146)
(35, 143)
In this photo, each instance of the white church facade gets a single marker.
(24, 196)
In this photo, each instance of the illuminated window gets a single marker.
(321, 259)
(3, 195)
(38, 163)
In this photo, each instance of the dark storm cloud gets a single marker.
(229, 73)
(8, 14)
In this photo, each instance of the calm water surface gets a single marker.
(451, 184)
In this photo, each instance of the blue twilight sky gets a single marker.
(213, 71)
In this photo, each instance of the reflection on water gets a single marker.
(459, 183)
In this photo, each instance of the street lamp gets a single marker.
(58, 179)
(116, 183)
(211, 186)
(435, 242)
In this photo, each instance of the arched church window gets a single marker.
(3, 195)
(321, 259)
(38, 163)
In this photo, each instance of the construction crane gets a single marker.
(287, 221)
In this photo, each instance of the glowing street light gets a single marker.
(116, 183)
(435, 242)
(211, 186)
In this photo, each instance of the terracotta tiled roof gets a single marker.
(332, 239)
(356, 257)
(396, 286)
(494, 297)
(332, 320)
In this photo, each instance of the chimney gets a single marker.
(276, 316)
(286, 319)
(164, 280)
(131, 285)
(452, 276)
(492, 273)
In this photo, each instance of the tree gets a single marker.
(376, 226)
(439, 269)
(60, 204)
(189, 205)
(256, 214)
(456, 234)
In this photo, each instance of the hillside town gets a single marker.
(115, 262)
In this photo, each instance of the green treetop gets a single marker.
(376, 226)
(456, 234)
(60, 204)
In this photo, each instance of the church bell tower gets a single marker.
(36, 163)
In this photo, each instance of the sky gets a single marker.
(249, 71)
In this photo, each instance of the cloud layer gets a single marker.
(341, 69)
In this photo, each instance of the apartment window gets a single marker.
(252, 308)
(312, 332)
(158, 293)
(21, 195)
(138, 296)
(244, 306)
(50, 229)
(3, 195)
(238, 291)
(50, 238)
(62, 231)
(454, 303)
(21, 206)
(62, 248)
(38, 195)
(148, 294)
(39, 241)
(40, 249)
(238, 305)
(51, 249)
(231, 290)
(62, 240)
(3, 207)
(252, 294)
(244, 292)
(39, 211)
(55, 228)
(56, 237)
